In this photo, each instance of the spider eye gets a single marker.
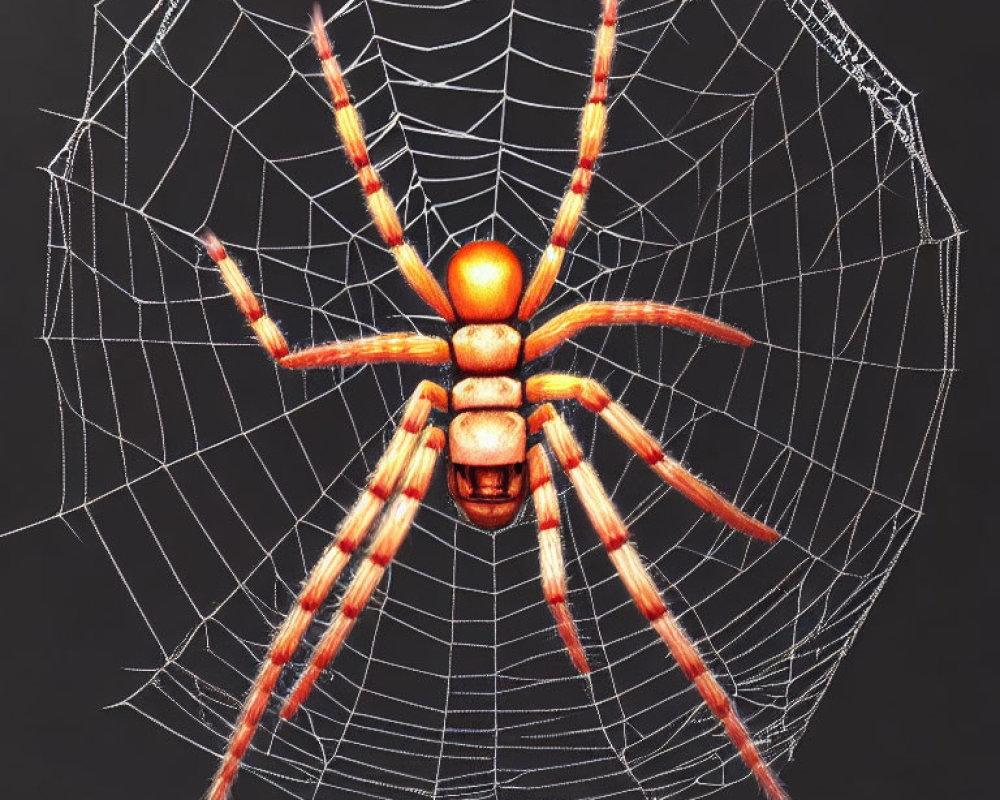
(484, 281)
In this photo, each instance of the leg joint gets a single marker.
(547, 524)
(615, 540)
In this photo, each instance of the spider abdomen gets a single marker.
(487, 451)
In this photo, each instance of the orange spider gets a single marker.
(487, 436)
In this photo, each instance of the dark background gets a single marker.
(922, 726)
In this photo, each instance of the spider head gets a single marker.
(486, 467)
(484, 281)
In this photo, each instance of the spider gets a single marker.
(490, 469)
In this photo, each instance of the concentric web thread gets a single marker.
(761, 166)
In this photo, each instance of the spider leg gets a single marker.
(391, 532)
(550, 553)
(593, 121)
(594, 397)
(566, 325)
(640, 585)
(394, 347)
(324, 574)
(380, 205)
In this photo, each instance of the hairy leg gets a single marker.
(566, 325)
(380, 205)
(393, 347)
(640, 585)
(550, 553)
(594, 397)
(391, 533)
(323, 575)
(593, 121)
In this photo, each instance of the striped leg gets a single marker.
(391, 532)
(395, 347)
(569, 323)
(609, 526)
(594, 397)
(550, 553)
(324, 574)
(593, 121)
(380, 206)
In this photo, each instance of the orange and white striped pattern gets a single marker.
(380, 205)
(594, 397)
(550, 553)
(414, 348)
(263, 326)
(395, 347)
(640, 585)
(584, 315)
(324, 574)
(593, 123)
(391, 532)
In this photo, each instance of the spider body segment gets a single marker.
(487, 440)
(494, 409)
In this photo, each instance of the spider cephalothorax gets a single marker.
(491, 469)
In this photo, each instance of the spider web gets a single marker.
(761, 166)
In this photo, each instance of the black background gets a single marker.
(911, 711)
